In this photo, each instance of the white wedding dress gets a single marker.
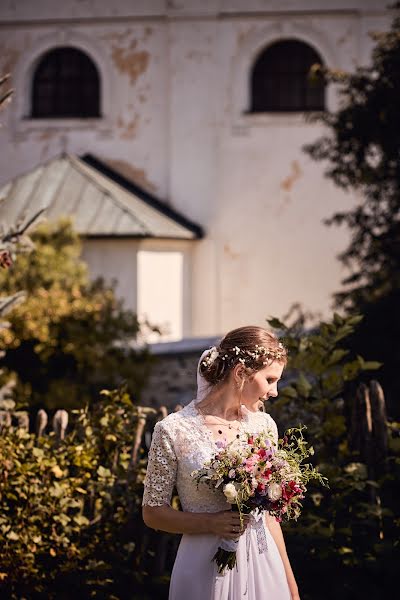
(181, 443)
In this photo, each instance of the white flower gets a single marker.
(274, 491)
(230, 492)
(232, 473)
(213, 355)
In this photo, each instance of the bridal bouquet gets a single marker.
(256, 475)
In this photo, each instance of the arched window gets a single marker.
(66, 85)
(280, 79)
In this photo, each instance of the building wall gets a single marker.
(152, 276)
(115, 261)
(175, 91)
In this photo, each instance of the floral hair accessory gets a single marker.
(208, 361)
(248, 357)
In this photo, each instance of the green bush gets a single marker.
(70, 511)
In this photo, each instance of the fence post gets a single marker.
(41, 422)
(369, 436)
(60, 423)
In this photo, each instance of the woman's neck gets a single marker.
(223, 403)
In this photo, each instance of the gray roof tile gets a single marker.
(100, 201)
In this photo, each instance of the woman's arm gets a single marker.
(224, 523)
(165, 518)
(276, 532)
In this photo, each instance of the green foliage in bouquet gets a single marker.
(70, 510)
(71, 337)
(347, 534)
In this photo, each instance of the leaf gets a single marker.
(355, 320)
(12, 535)
(103, 472)
(81, 520)
(337, 319)
(345, 550)
(304, 387)
(276, 323)
(337, 355)
(289, 391)
(57, 472)
(372, 365)
(63, 519)
(38, 452)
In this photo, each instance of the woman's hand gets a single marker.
(226, 524)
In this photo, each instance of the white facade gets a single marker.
(175, 91)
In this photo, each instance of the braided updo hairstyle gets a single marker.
(253, 347)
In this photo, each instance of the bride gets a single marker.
(233, 381)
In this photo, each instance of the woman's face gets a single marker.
(262, 385)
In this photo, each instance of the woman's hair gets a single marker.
(253, 347)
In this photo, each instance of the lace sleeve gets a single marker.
(161, 469)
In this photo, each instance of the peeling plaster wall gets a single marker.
(132, 128)
(260, 197)
(176, 92)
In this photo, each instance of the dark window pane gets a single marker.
(66, 84)
(280, 79)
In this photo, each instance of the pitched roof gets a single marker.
(102, 202)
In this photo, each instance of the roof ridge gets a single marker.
(76, 160)
(142, 194)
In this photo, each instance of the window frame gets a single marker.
(263, 105)
(61, 59)
(21, 123)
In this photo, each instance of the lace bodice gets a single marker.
(182, 443)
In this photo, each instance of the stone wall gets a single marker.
(173, 379)
(172, 382)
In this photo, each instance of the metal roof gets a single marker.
(101, 202)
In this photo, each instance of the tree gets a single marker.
(362, 148)
(71, 337)
(13, 240)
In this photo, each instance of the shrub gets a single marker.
(70, 510)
